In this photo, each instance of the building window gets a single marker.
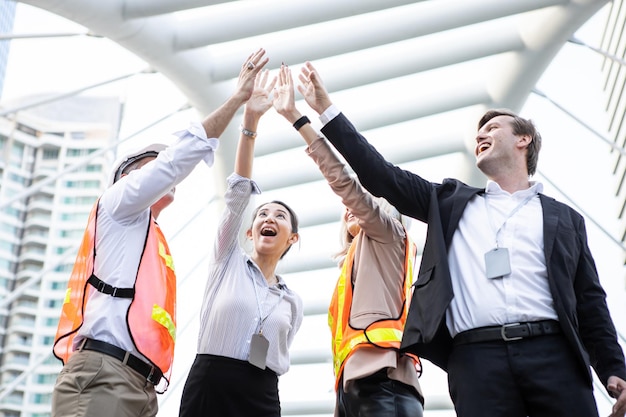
(48, 340)
(93, 168)
(64, 268)
(79, 200)
(42, 398)
(4, 283)
(17, 155)
(7, 265)
(12, 212)
(79, 152)
(50, 154)
(18, 179)
(9, 247)
(73, 234)
(52, 322)
(82, 184)
(74, 217)
(46, 379)
(12, 230)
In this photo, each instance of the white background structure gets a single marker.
(413, 76)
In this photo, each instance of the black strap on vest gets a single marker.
(105, 288)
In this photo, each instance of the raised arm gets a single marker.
(285, 104)
(216, 122)
(374, 223)
(313, 90)
(256, 106)
(406, 191)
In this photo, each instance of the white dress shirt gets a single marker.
(123, 215)
(522, 295)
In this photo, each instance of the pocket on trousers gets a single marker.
(82, 369)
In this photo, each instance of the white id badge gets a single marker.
(497, 263)
(259, 346)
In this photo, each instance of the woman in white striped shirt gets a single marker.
(249, 316)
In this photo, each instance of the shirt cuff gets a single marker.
(196, 130)
(235, 178)
(329, 114)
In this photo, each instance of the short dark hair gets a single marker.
(521, 126)
(292, 214)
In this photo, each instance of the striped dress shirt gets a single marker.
(237, 297)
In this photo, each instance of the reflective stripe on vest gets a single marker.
(385, 334)
(151, 317)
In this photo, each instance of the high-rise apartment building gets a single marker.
(39, 233)
(7, 16)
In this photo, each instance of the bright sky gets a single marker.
(571, 157)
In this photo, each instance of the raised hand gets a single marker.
(248, 73)
(284, 101)
(312, 89)
(260, 100)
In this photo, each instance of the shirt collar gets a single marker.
(280, 283)
(493, 187)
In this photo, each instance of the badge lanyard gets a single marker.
(259, 345)
(497, 263)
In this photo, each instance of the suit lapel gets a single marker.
(550, 222)
(458, 203)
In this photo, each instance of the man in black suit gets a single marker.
(507, 299)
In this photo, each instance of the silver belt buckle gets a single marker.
(150, 375)
(503, 332)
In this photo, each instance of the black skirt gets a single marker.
(226, 387)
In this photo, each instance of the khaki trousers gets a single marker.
(92, 384)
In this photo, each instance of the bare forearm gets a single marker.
(245, 156)
(308, 133)
(245, 148)
(215, 123)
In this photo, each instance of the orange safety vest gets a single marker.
(386, 334)
(151, 317)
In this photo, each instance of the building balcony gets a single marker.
(41, 220)
(36, 235)
(41, 204)
(33, 255)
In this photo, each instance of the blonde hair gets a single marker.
(345, 238)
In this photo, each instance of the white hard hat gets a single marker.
(133, 156)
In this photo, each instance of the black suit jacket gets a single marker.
(579, 299)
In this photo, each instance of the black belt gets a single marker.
(508, 332)
(151, 373)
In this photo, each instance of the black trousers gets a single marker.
(534, 377)
(378, 396)
(225, 387)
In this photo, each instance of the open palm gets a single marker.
(284, 101)
(260, 100)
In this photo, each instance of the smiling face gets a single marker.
(352, 223)
(498, 149)
(272, 230)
